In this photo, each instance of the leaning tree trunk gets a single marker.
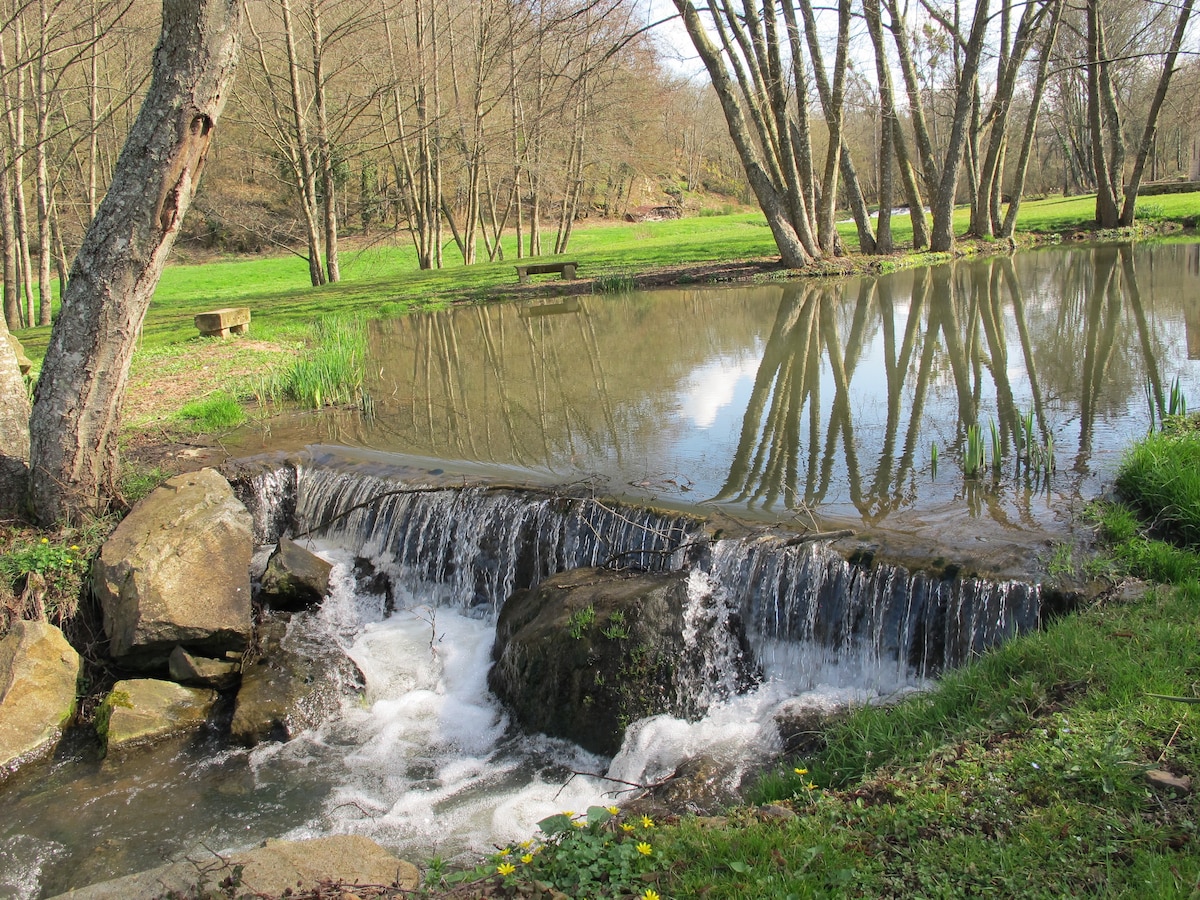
(77, 406)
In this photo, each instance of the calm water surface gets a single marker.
(814, 402)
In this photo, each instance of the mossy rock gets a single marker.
(589, 651)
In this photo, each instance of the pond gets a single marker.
(816, 402)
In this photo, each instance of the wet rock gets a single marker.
(295, 577)
(589, 651)
(199, 671)
(176, 572)
(802, 728)
(39, 675)
(144, 709)
(276, 868)
(290, 686)
(702, 786)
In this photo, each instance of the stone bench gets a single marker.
(224, 322)
(524, 270)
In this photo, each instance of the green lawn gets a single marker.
(383, 279)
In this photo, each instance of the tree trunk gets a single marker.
(14, 428)
(76, 413)
(1160, 95)
(308, 178)
(333, 269)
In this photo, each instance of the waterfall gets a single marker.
(801, 612)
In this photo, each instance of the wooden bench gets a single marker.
(570, 305)
(224, 322)
(524, 270)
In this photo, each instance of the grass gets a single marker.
(218, 412)
(328, 373)
(383, 279)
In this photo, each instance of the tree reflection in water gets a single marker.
(815, 396)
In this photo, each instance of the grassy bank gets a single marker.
(382, 279)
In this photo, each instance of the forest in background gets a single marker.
(450, 122)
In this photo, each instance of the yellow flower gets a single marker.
(506, 851)
(75, 547)
(651, 894)
(580, 824)
(45, 540)
(569, 813)
(526, 844)
(613, 810)
(625, 826)
(800, 771)
(644, 849)
(527, 858)
(506, 868)
(647, 822)
(67, 560)
(811, 786)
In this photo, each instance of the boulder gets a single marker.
(589, 651)
(199, 671)
(39, 675)
(290, 687)
(176, 571)
(275, 869)
(144, 709)
(295, 577)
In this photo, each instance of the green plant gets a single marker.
(997, 452)
(329, 373)
(580, 621)
(614, 283)
(60, 566)
(973, 454)
(616, 629)
(217, 412)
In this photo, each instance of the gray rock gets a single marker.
(176, 571)
(144, 709)
(290, 687)
(589, 651)
(270, 870)
(295, 577)
(199, 671)
(39, 675)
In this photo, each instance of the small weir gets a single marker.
(474, 546)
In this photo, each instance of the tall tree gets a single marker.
(76, 412)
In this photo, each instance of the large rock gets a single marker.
(589, 651)
(39, 675)
(146, 709)
(176, 571)
(275, 869)
(295, 577)
(294, 684)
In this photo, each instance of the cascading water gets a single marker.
(426, 761)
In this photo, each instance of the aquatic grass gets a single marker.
(614, 283)
(973, 454)
(330, 370)
(219, 411)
